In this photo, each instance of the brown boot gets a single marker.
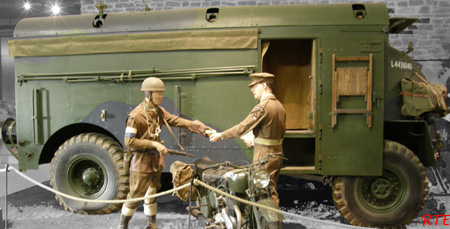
(274, 196)
(151, 222)
(275, 199)
(123, 222)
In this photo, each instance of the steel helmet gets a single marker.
(152, 84)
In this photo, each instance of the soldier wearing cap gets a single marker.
(268, 122)
(148, 153)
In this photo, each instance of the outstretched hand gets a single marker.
(216, 137)
(199, 127)
(205, 128)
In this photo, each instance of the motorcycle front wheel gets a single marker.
(268, 224)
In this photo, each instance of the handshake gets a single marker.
(215, 137)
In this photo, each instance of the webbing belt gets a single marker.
(268, 142)
(145, 151)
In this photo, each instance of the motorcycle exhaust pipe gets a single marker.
(226, 218)
(199, 215)
(232, 222)
(238, 216)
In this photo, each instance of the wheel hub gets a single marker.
(380, 191)
(381, 188)
(90, 177)
(86, 176)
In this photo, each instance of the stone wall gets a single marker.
(430, 35)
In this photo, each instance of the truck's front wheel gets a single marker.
(391, 200)
(89, 166)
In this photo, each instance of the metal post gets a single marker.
(1, 217)
(6, 196)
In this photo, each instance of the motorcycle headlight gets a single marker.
(261, 179)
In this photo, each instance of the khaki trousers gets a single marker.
(139, 184)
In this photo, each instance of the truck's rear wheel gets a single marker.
(391, 200)
(89, 166)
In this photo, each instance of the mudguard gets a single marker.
(270, 215)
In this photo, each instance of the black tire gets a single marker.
(391, 200)
(89, 166)
(266, 224)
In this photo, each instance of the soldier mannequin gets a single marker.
(268, 122)
(142, 139)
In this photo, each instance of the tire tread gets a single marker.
(116, 153)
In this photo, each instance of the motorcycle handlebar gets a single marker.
(262, 161)
(225, 163)
(271, 155)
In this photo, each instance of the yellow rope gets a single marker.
(99, 201)
(196, 182)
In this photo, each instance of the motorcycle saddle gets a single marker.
(209, 170)
(213, 175)
(204, 163)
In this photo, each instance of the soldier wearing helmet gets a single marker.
(148, 153)
(267, 120)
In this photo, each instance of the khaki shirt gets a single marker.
(267, 120)
(145, 118)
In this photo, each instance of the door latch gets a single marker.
(103, 115)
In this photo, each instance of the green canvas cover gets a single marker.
(421, 97)
(136, 42)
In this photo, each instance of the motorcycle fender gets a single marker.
(270, 215)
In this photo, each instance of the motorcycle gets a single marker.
(249, 182)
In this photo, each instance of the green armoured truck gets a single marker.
(349, 96)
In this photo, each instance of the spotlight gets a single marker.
(56, 9)
(27, 6)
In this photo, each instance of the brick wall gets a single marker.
(430, 35)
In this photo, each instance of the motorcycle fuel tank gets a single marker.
(237, 180)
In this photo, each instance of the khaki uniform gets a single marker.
(142, 140)
(143, 125)
(268, 122)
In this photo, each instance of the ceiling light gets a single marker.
(56, 9)
(27, 6)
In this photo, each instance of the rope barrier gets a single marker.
(99, 201)
(196, 182)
